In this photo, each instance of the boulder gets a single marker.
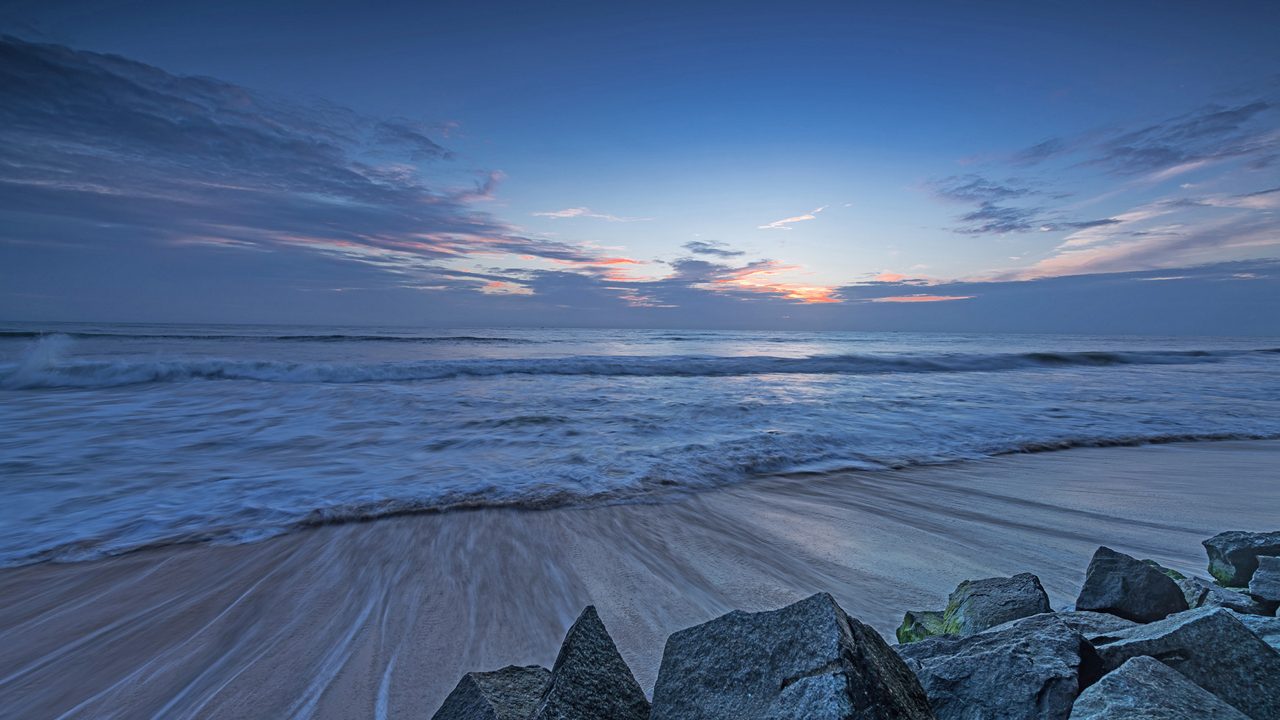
(1202, 593)
(1265, 583)
(919, 624)
(806, 660)
(1091, 624)
(1029, 668)
(1146, 689)
(1118, 584)
(1173, 574)
(590, 679)
(977, 605)
(1212, 649)
(1266, 628)
(511, 693)
(1233, 555)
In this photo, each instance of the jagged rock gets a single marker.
(1173, 574)
(1029, 668)
(807, 660)
(1266, 628)
(1090, 624)
(976, 605)
(1211, 648)
(1265, 583)
(1202, 593)
(511, 693)
(919, 624)
(1147, 689)
(1118, 584)
(1233, 555)
(590, 679)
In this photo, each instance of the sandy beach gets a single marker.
(381, 618)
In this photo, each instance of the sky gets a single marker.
(993, 166)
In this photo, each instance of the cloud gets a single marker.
(786, 223)
(992, 219)
(582, 212)
(91, 142)
(1158, 235)
(1173, 146)
(921, 298)
(716, 249)
(976, 189)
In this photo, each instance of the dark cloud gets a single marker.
(716, 249)
(1213, 132)
(93, 139)
(992, 219)
(976, 189)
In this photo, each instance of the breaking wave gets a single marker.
(46, 370)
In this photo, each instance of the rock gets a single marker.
(807, 660)
(1147, 689)
(1233, 555)
(1090, 624)
(1028, 668)
(1173, 574)
(1212, 649)
(1266, 628)
(977, 605)
(590, 679)
(1118, 584)
(1202, 593)
(918, 625)
(511, 693)
(1265, 583)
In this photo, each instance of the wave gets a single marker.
(325, 338)
(43, 370)
(546, 497)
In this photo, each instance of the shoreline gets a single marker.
(341, 619)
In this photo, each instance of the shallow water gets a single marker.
(384, 617)
(114, 437)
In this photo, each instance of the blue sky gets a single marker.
(854, 165)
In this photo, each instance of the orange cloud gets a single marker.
(759, 278)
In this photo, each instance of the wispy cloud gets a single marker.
(921, 298)
(582, 212)
(786, 223)
(715, 249)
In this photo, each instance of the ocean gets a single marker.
(119, 437)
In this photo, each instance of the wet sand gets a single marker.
(379, 619)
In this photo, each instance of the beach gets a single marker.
(381, 618)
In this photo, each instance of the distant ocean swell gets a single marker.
(46, 370)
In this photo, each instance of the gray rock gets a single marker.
(1118, 584)
(511, 693)
(1028, 668)
(1212, 649)
(807, 660)
(1202, 593)
(977, 605)
(1266, 628)
(919, 624)
(1265, 583)
(1147, 689)
(1091, 624)
(590, 679)
(1233, 555)
(1173, 574)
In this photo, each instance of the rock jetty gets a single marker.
(1142, 642)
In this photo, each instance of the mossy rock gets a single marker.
(918, 625)
(1174, 574)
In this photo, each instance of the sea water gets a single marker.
(117, 437)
